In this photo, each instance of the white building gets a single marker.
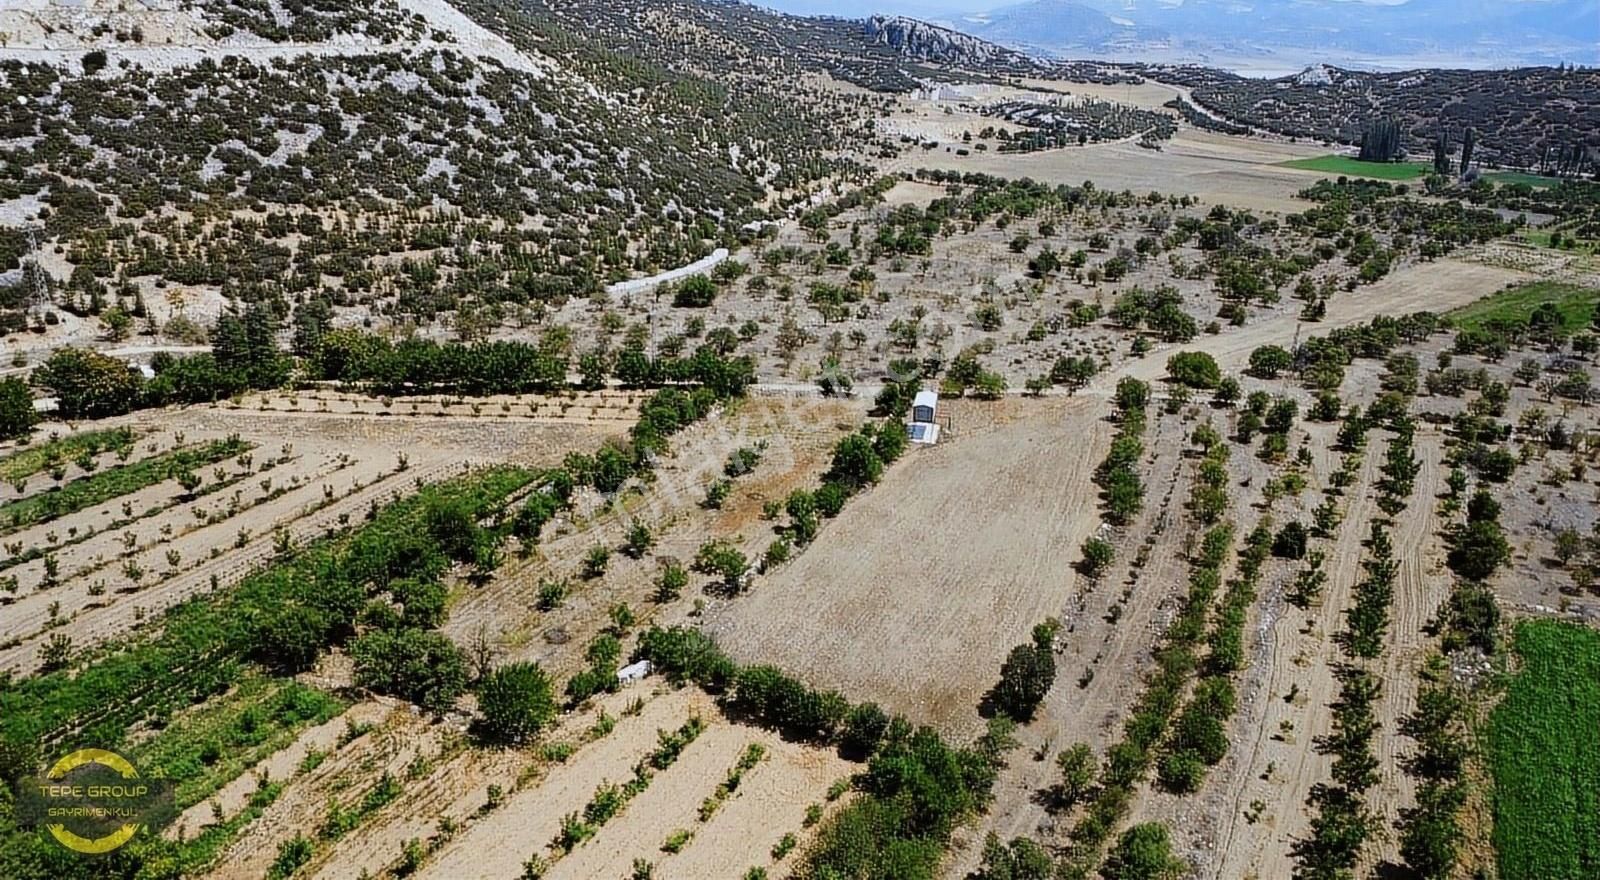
(924, 411)
(633, 672)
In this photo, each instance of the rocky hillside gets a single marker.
(911, 38)
(420, 160)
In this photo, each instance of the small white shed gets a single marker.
(924, 407)
(633, 672)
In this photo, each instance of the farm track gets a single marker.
(95, 625)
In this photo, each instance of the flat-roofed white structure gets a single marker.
(924, 409)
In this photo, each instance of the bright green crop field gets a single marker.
(1544, 754)
(1575, 303)
(1350, 167)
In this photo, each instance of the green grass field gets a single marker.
(1510, 177)
(1544, 754)
(1356, 168)
(1576, 304)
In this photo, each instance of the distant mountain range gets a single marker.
(1478, 32)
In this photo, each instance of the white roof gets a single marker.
(634, 671)
(926, 398)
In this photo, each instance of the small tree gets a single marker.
(1268, 361)
(1194, 369)
(1077, 773)
(1568, 545)
(594, 563)
(670, 583)
(722, 559)
(1025, 678)
(1143, 852)
(639, 541)
(516, 702)
(695, 292)
(1098, 555)
(1227, 393)
(17, 415)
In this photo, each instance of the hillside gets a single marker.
(283, 157)
(1519, 114)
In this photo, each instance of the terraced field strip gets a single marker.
(496, 846)
(116, 482)
(32, 459)
(102, 623)
(771, 801)
(668, 804)
(346, 778)
(164, 525)
(457, 789)
(232, 798)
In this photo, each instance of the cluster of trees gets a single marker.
(1073, 372)
(1143, 852)
(1382, 142)
(914, 792)
(1122, 492)
(244, 355)
(1478, 547)
(965, 374)
(1273, 417)
(420, 366)
(1320, 361)
(1160, 311)
(92, 385)
(1547, 327)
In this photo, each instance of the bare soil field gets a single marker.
(1217, 169)
(915, 593)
